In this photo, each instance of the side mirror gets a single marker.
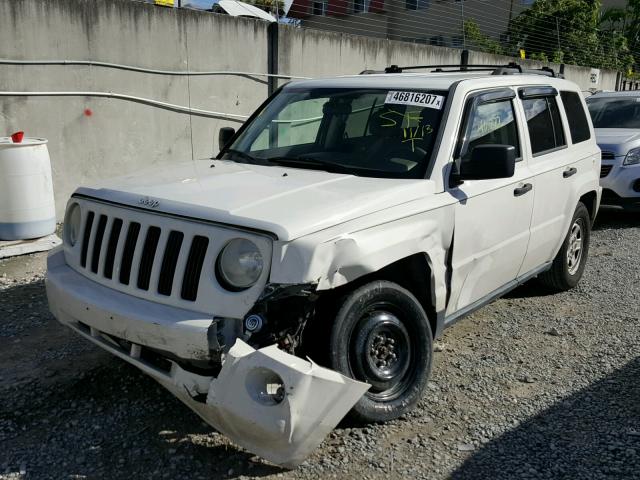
(489, 161)
(224, 136)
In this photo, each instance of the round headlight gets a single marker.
(239, 265)
(72, 224)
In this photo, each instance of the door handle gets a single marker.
(527, 187)
(569, 172)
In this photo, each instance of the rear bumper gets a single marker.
(273, 404)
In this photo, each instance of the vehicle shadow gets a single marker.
(115, 422)
(594, 433)
(615, 218)
(69, 409)
(529, 289)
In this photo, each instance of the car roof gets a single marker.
(431, 81)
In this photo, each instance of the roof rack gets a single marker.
(511, 68)
(453, 68)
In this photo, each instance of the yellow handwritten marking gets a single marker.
(393, 123)
(409, 134)
(412, 117)
(414, 134)
(409, 117)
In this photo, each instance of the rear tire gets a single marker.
(568, 266)
(381, 336)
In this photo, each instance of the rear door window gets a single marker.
(544, 124)
(577, 117)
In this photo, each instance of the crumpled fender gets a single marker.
(331, 259)
(284, 426)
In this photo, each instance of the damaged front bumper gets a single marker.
(272, 403)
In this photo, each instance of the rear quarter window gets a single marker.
(544, 124)
(577, 117)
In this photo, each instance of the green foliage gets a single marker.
(571, 31)
(479, 41)
(541, 56)
(625, 23)
(269, 5)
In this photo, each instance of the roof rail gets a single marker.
(452, 68)
(464, 66)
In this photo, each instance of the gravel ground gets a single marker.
(532, 386)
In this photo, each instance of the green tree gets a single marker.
(476, 40)
(271, 6)
(625, 22)
(570, 31)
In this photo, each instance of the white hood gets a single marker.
(288, 202)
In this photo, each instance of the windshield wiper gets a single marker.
(244, 156)
(310, 163)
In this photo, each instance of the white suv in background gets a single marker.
(349, 221)
(616, 118)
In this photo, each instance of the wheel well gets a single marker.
(589, 200)
(412, 272)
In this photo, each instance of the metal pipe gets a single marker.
(5, 61)
(145, 101)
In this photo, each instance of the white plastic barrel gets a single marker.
(27, 209)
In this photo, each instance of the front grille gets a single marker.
(86, 238)
(608, 156)
(605, 170)
(194, 268)
(129, 252)
(111, 248)
(160, 257)
(97, 244)
(169, 262)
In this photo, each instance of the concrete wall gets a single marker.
(309, 52)
(120, 137)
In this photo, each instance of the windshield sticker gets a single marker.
(419, 99)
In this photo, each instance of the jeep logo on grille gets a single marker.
(148, 202)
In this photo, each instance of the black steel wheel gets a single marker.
(381, 336)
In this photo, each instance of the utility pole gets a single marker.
(464, 35)
(558, 32)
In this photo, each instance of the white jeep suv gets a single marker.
(348, 222)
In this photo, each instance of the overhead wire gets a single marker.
(378, 28)
(415, 29)
(537, 40)
(405, 22)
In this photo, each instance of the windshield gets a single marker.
(615, 112)
(367, 132)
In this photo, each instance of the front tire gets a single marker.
(568, 266)
(381, 336)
